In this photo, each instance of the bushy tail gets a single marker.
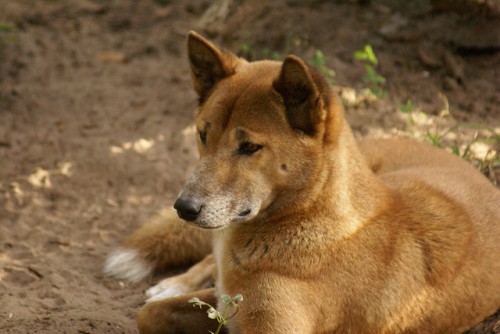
(164, 242)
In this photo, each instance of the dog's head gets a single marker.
(262, 131)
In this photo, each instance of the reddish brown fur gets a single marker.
(334, 247)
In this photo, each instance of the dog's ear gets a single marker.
(208, 64)
(305, 94)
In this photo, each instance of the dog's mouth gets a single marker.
(199, 222)
(215, 213)
(245, 213)
(207, 227)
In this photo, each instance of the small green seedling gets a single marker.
(367, 55)
(246, 50)
(372, 77)
(488, 162)
(7, 27)
(222, 318)
(7, 35)
(437, 135)
(319, 61)
(408, 108)
(269, 54)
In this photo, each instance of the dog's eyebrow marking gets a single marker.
(241, 134)
(237, 260)
(264, 252)
(252, 252)
(248, 243)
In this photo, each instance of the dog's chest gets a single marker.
(218, 252)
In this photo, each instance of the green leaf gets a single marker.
(360, 55)
(408, 107)
(371, 55)
(367, 54)
(7, 27)
(318, 59)
(435, 139)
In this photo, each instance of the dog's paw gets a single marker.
(127, 264)
(167, 288)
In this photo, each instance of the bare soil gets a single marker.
(96, 106)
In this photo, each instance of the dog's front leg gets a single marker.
(279, 311)
(196, 278)
(176, 315)
(294, 322)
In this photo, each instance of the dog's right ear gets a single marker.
(209, 64)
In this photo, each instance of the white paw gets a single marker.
(167, 288)
(127, 264)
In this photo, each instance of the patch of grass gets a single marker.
(246, 48)
(408, 108)
(248, 51)
(473, 142)
(437, 135)
(251, 52)
(374, 80)
(221, 317)
(488, 160)
(320, 62)
(270, 54)
(7, 31)
(7, 27)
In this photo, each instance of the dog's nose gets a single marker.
(187, 209)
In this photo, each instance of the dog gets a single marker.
(319, 233)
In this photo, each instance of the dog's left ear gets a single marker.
(305, 94)
(209, 64)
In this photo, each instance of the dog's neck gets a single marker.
(351, 192)
(344, 189)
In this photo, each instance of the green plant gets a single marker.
(7, 31)
(372, 77)
(222, 318)
(319, 61)
(246, 51)
(487, 162)
(269, 54)
(7, 27)
(479, 150)
(437, 135)
(408, 108)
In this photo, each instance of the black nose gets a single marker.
(187, 209)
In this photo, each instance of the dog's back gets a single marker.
(456, 215)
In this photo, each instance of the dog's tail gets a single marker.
(163, 243)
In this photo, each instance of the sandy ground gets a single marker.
(96, 106)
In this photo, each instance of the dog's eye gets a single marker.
(248, 148)
(203, 137)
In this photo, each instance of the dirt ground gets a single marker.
(96, 106)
